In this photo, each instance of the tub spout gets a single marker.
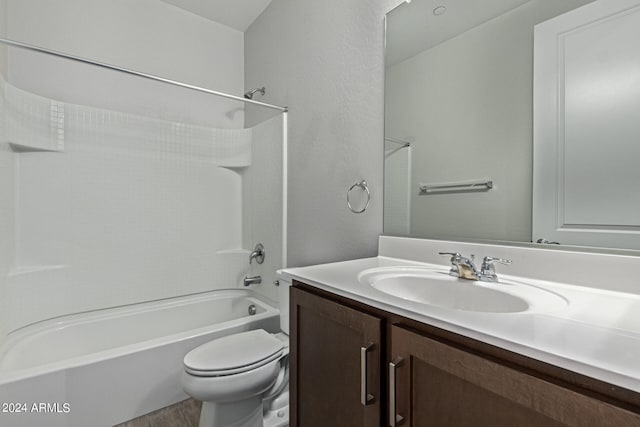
(255, 280)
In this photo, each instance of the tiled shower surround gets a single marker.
(36, 123)
(115, 208)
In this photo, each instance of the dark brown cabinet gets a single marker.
(440, 385)
(335, 364)
(353, 365)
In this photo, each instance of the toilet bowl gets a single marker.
(242, 379)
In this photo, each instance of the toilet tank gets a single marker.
(283, 304)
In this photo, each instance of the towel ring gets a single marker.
(363, 185)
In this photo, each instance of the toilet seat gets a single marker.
(234, 354)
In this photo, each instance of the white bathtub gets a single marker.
(108, 366)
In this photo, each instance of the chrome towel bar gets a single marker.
(456, 187)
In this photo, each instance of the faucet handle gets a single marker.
(455, 256)
(488, 269)
(490, 260)
(257, 254)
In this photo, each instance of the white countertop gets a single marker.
(597, 333)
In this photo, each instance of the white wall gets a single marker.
(144, 35)
(467, 103)
(324, 60)
(129, 210)
(147, 35)
(7, 252)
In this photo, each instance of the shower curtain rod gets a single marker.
(398, 141)
(34, 48)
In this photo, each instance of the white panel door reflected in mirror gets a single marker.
(461, 91)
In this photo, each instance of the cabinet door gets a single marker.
(335, 364)
(439, 385)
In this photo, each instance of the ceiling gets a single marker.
(238, 14)
(415, 27)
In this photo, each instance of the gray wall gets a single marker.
(324, 60)
(7, 162)
(466, 105)
(4, 65)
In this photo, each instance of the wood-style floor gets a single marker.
(182, 414)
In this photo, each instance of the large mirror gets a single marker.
(514, 120)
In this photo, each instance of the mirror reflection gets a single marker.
(501, 121)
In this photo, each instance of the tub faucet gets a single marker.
(464, 267)
(255, 280)
(257, 254)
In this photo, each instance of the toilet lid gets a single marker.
(233, 354)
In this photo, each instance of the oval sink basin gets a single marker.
(436, 288)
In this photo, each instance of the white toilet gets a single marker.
(243, 379)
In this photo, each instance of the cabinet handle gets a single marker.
(365, 398)
(394, 418)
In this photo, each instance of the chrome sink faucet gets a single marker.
(465, 268)
(462, 267)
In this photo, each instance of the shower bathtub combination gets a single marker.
(70, 363)
(135, 247)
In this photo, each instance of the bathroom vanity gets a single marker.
(365, 355)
